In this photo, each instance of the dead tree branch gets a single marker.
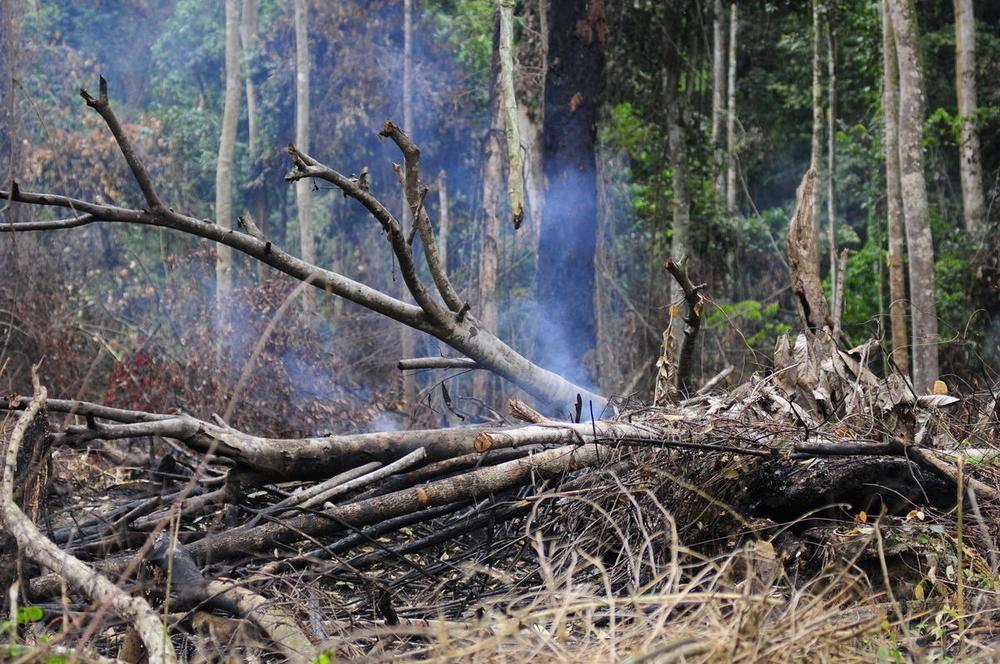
(450, 322)
(34, 545)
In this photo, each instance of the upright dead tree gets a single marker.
(912, 109)
(407, 340)
(224, 166)
(814, 312)
(303, 193)
(899, 352)
(970, 161)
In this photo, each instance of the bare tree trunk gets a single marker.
(817, 114)
(970, 161)
(303, 192)
(831, 168)
(912, 108)
(899, 352)
(224, 166)
(515, 172)
(248, 39)
(407, 338)
(256, 190)
(492, 204)
(731, 114)
(680, 245)
(718, 90)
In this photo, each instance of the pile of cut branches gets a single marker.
(818, 484)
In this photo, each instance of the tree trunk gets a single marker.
(731, 114)
(407, 338)
(444, 218)
(515, 171)
(224, 166)
(255, 187)
(912, 108)
(831, 168)
(489, 247)
(303, 193)
(899, 352)
(680, 245)
(965, 84)
(816, 153)
(565, 327)
(718, 90)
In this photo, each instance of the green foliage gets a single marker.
(762, 322)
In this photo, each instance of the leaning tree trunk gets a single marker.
(303, 193)
(565, 328)
(899, 353)
(224, 166)
(970, 162)
(912, 107)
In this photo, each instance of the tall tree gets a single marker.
(817, 116)
(407, 339)
(831, 167)
(899, 353)
(970, 163)
(913, 187)
(565, 331)
(224, 166)
(515, 174)
(303, 194)
(731, 112)
(492, 179)
(718, 89)
(680, 244)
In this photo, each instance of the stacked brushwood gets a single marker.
(798, 458)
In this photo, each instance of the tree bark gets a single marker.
(816, 153)
(303, 192)
(489, 246)
(718, 91)
(970, 161)
(407, 339)
(680, 244)
(831, 169)
(224, 166)
(899, 351)
(565, 327)
(807, 286)
(515, 170)
(913, 187)
(731, 113)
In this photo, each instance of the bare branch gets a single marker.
(411, 185)
(414, 363)
(103, 107)
(307, 167)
